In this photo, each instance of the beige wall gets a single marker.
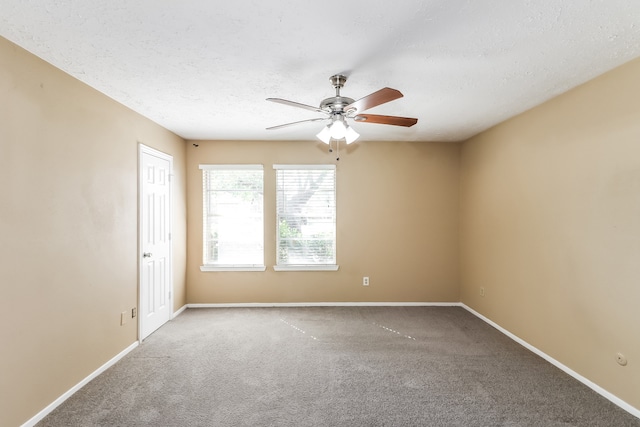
(550, 227)
(68, 230)
(397, 222)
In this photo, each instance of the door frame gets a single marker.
(144, 149)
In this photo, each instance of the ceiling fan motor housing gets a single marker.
(336, 104)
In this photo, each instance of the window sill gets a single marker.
(233, 268)
(306, 267)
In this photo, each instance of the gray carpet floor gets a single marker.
(334, 366)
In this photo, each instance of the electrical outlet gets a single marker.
(482, 291)
(365, 281)
(123, 318)
(134, 312)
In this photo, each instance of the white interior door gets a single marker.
(155, 240)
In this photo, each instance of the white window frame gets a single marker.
(307, 267)
(230, 267)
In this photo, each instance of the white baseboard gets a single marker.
(326, 304)
(179, 312)
(593, 386)
(46, 411)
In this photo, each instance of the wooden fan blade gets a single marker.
(386, 120)
(295, 123)
(376, 98)
(297, 104)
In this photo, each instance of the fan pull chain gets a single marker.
(337, 147)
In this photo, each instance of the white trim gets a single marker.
(234, 167)
(46, 411)
(331, 267)
(232, 268)
(145, 149)
(325, 304)
(178, 312)
(304, 167)
(593, 386)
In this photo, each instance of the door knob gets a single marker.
(146, 255)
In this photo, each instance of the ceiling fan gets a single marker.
(338, 109)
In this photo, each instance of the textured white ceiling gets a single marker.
(203, 68)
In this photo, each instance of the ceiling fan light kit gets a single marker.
(336, 131)
(340, 108)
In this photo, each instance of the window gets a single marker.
(306, 217)
(233, 214)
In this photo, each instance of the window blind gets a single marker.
(306, 215)
(233, 215)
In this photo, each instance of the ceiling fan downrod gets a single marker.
(338, 81)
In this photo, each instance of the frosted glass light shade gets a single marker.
(324, 135)
(338, 129)
(351, 135)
